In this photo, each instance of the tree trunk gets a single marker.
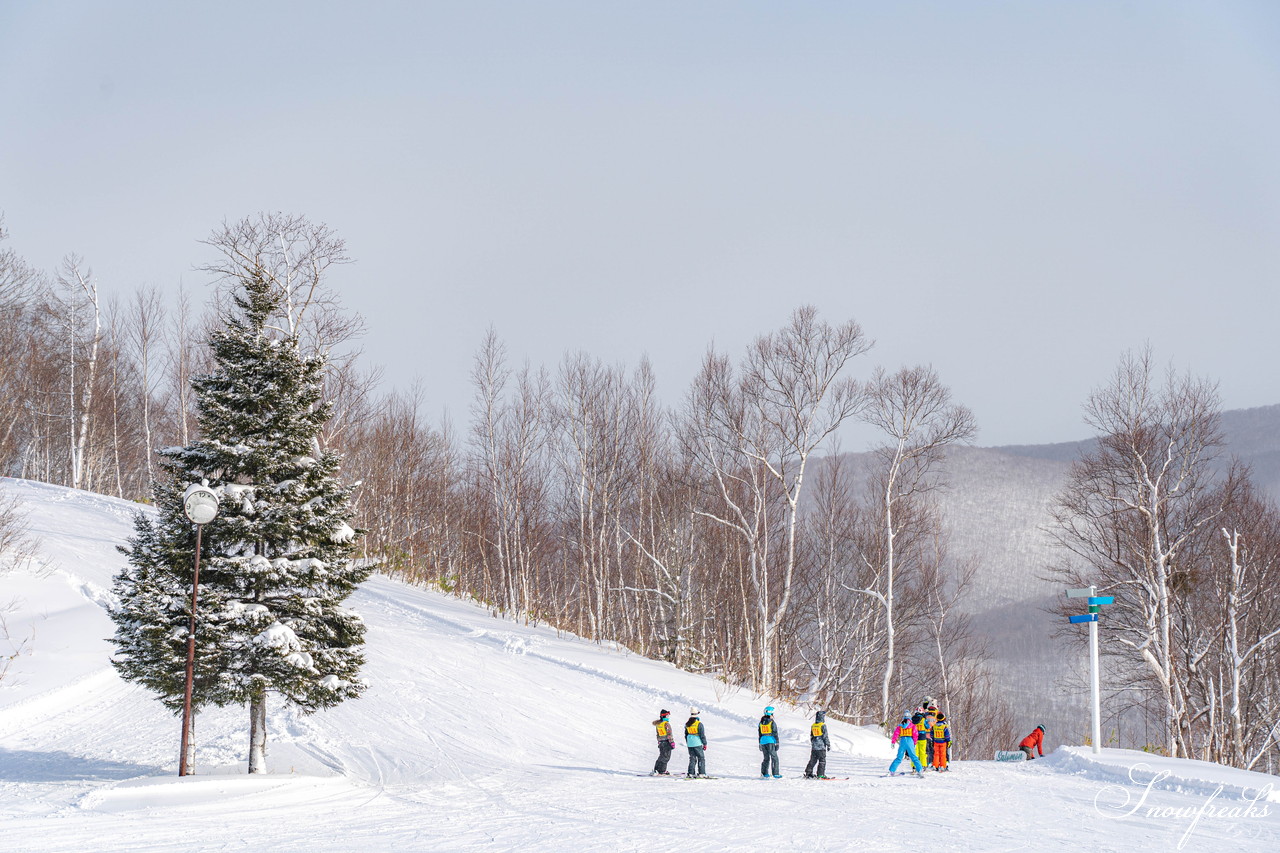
(258, 733)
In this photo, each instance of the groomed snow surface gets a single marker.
(483, 734)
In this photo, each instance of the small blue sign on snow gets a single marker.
(1103, 599)
(1083, 617)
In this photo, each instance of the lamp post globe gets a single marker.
(200, 503)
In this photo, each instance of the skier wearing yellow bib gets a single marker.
(695, 738)
(767, 732)
(904, 737)
(922, 742)
(819, 744)
(666, 742)
(940, 737)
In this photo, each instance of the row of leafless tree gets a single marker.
(1159, 517)
(717, 534)
(724, 534)
(89, 390)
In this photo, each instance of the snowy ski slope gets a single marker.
(482, 734)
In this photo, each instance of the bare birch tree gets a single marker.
(510, 439)
(82, 314)
(145, 331)
(1245, 586)
(180, 342)
(835, 639)
(754, 433)
(596, 422)
(913, 409)
(294, 254)
(22, 290)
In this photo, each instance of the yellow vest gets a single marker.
(664, 728)
(766, 728)
(817, 729)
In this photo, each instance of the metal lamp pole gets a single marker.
(200, 503)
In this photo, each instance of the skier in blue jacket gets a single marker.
(767, 732)
(904, 737)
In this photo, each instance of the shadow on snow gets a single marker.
(26, 766)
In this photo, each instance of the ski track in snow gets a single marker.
(479, 733)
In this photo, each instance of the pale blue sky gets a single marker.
(1015, 192)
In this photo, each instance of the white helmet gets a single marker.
(693, 712)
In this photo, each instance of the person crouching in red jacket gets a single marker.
(1035, 741)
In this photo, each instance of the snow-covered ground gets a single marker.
(479, 733)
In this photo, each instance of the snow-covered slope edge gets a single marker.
(1199, 778)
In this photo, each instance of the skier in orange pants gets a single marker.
(940, 737)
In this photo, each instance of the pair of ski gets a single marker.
(673, 776)
(696, 778)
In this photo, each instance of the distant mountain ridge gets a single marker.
(1253, 435)
(997, 501)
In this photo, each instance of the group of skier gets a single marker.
(695, 740)
(923, 736)
(928, 726)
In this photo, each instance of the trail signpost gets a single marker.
(1095, 692)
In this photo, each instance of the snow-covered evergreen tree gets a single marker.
(276, 563)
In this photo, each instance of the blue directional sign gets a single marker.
(1096, 603)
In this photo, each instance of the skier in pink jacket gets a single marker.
(904, 735)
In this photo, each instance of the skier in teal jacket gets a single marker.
(767, 732)
(695, 738)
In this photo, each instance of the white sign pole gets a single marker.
(1095, 689)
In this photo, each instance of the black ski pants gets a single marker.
(697, 761)
(817, 765)
(770, 759)
(664, 755)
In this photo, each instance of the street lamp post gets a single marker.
(200, 503)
